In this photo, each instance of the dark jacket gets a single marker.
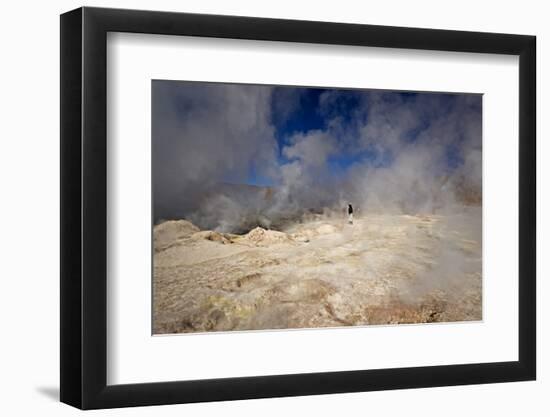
(350, 209)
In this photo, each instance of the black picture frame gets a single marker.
(84, 207)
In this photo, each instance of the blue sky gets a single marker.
(350, 108)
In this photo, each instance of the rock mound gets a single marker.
(169, 232)
(301, 237)
(262, 237)
(212, 236)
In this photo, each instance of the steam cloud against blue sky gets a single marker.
(315, 147)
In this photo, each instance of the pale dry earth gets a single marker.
(320, 272)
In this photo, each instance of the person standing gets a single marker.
(350, 214)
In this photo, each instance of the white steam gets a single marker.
(404, 154)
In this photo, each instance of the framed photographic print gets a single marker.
(257, 207)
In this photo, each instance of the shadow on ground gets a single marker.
(50, 392)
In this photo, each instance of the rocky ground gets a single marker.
(320, 272)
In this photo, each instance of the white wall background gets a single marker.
(29, 177)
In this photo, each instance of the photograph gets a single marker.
(257, 205)
(291, 207)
